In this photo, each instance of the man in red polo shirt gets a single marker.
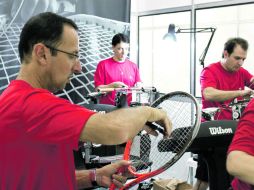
(39, 131)
(221, 82)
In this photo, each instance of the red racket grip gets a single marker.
(125, 157)
(112, 186)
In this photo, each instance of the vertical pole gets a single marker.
(192, 67)
(192, 51)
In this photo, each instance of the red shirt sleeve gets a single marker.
(207, 79)
(99, 75)
(138, 79)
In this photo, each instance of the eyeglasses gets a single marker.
(71, 55)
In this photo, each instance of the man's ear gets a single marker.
(225, 53)
(40, 52)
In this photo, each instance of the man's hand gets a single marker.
(118, 84)
(108, 174)
(246, 93)
(160, 116)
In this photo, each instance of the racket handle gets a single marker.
(155, 127)
(112, 186)
(105, 90)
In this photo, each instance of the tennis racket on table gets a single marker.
(151, 155)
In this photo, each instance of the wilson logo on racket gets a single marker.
(220, 131)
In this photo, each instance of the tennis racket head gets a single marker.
(151, 155)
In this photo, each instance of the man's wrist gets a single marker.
(93, 178)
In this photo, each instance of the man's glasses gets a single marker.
(71, 55)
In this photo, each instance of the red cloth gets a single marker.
(243, 141)
(217, 77)
(38, 133)
(109, 71)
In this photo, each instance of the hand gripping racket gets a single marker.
(151, 155)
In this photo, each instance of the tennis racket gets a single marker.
(151, 155)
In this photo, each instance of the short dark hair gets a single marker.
(233, 42)
(46, 28)
(118, 38)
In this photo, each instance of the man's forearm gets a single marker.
(241, 165)
(82, 179)
(212, 94)
(117, 126)
(103, 86)
(121, 125)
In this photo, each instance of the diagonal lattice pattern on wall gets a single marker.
(95, 44)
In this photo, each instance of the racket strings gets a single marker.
(179, 110)
(150, 153)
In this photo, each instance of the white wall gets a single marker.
(142, 6)
(150, 5)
